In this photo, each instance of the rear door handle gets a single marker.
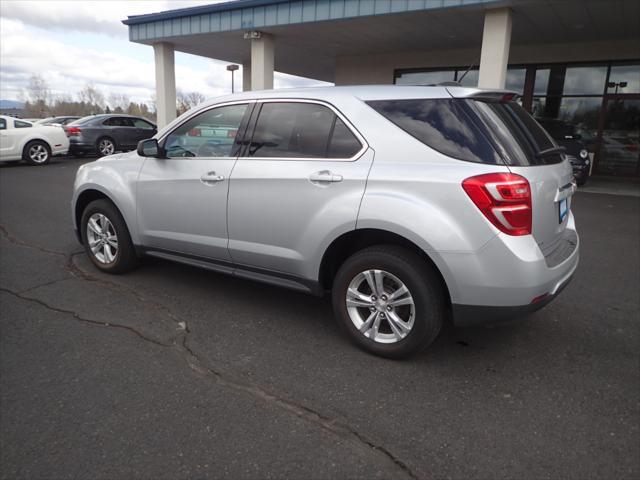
(211, 177)
(324, 176)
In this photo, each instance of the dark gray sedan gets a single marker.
(106, 134)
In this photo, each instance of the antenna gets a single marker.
(465, 73)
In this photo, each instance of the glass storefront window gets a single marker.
(581, 112)
(561, 80)
(515, 79)
(470, 79)
(585, 80)
(425, 78)
(621, 74)
(542, 80)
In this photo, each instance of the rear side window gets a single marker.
(521, 138)
(301, 130)
(139, 123)
(3, 124)
(343, 143)
(19, 124)
(442, 124)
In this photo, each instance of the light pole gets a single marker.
(232, 68)
(616, 84)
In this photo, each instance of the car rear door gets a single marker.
(116, 128)
(182, 199)
(143, 130)
(299, 181)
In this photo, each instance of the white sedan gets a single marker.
(35, 144)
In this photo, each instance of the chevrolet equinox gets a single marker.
(410, 205)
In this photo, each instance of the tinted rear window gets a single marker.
(442, 124)
(301, 130)
(519, 137)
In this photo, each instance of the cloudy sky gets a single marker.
(72, 43)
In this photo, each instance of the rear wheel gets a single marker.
(106, 238)
(36, 152)
(389, 301)
(105, 146)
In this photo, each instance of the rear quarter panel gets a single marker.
(416, 192)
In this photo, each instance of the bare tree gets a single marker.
(37, 97)
(119, 102)
(38, 90)
(185, 101)
(92, 97)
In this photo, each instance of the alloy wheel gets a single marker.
(106, 147)
(380, 306)
(38, 153)
(102, 238)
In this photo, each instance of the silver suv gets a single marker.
(410, 205)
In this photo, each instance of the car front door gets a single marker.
(299, 182)
(182, 199)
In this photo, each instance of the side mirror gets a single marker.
(149, 148)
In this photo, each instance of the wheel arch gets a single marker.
(35, 139)
(350, 242)
(85, 198)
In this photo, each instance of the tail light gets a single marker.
(504, 198)
(72, 131)
(194, 132)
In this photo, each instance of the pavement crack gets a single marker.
(82, 319)
(334, 426)
(40, 285)
(77, 272)
(15, 240)
(180, 343)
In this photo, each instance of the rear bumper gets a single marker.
(81, 147)
(510, 277)
(474, 315)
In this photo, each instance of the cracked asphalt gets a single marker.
(174, 372)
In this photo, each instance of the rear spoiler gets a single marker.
(479, 94)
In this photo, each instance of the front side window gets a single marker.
(209, 134)
(19, 124)
(301, 130)
(441, 124)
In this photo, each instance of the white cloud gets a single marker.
(88, 16)
(114, 66)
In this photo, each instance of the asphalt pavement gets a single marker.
(174, 372)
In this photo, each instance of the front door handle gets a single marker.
(324, 176)
(211, 177)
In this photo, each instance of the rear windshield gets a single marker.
(473, 130)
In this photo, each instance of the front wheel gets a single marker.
(389, 301)
(106, 238)
(36, 152)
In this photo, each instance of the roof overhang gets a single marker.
(310, 34)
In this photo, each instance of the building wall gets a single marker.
(379, 68)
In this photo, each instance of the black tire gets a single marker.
(417, 275)
(36, 152)
(99, 142)
(125, 257)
